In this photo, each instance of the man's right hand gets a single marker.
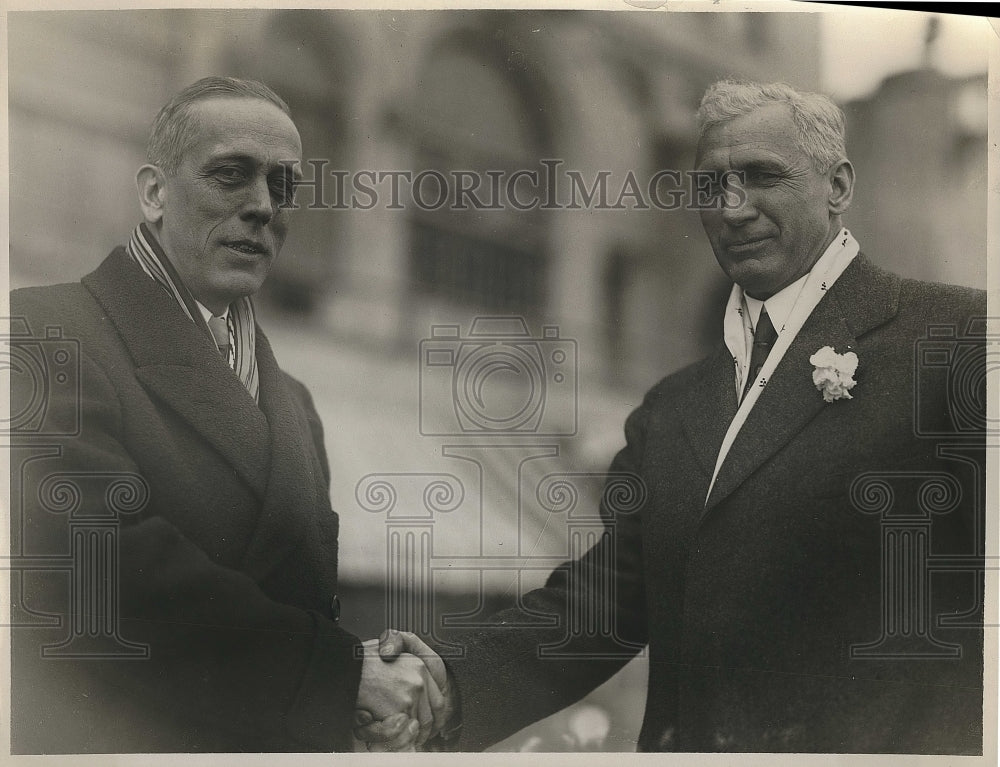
(395, 682)
(422, 685)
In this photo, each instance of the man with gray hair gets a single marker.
(210, 622)
(778, 567)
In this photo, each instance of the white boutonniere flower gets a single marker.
(834, 373)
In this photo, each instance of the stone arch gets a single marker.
(481, 104)
(309, 61)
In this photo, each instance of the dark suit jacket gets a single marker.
(751, 604)
(227, 573)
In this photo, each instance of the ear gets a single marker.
(151, 184)
(841, 177)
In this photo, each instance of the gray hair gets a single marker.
(819, 121)
(174, 128)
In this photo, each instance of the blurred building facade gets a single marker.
(390, 90)
(920, 151)
(385, 91)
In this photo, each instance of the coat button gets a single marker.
(335, 608)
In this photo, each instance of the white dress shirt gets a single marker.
(788, 309)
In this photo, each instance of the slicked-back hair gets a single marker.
(819, 121)
(175, 129)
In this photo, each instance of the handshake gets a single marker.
(405, 697)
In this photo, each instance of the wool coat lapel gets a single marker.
(863, 298)
(295, 481)
(179, 364)
(707, 407)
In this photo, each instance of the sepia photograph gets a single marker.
(512, 378)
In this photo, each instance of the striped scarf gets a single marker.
(146, 252)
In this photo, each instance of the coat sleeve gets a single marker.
(509, 676)
(225, 667)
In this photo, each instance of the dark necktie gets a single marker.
(764, 336)
(220, 332)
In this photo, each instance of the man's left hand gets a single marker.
(376, 734)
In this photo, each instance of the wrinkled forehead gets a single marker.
(251, 127)
(765, 134)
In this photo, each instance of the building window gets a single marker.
(474, 113)
(308, 65)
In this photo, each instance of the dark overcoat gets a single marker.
(223, 561)
(827, 597)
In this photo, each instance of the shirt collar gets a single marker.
(780, 305)
(206, 313)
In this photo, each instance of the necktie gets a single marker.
(220, 332)
(764, 336)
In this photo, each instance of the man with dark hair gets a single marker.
(208, 621)
(801, 486)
